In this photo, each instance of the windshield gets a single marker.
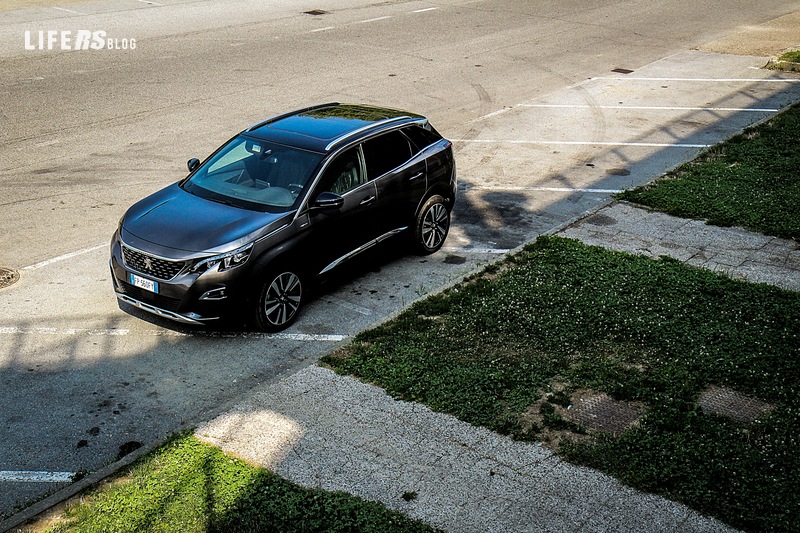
(254, 174)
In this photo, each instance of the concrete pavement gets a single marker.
(320, 429)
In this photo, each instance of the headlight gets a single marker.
(225, 261)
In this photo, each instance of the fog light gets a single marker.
(215, 294)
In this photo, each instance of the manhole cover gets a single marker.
(599, 411)
(735, 405)
(8, 276)
(621, 70)
(316, 12)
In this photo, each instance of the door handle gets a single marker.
(368, 200)
(416, 176)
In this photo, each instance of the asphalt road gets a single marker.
(83, 134)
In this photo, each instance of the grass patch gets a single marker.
(793, 56)
(561, 316)
(750, 180)
(187, 485)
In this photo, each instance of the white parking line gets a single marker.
(547, 189)
(487, 251)
(376, 19)
(652, 108)
(67, 10)
(118, 332)
(712, 80)
(584, 143)
(65, 256)
(29, 476)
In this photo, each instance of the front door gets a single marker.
(339, 232)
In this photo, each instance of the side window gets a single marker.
(420, 137)
(386, 152)
(343, 173)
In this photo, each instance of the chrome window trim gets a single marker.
(422, 122)
(304, 206)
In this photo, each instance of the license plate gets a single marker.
(142, 283)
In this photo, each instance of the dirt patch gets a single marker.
(768, 39)
(577, 416)
(8, 276)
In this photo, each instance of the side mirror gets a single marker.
(328, 200)
(193, 163)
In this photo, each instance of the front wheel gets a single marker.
(432, 225)
(279, 300)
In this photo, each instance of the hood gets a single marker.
(173, 218)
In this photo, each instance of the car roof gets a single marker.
(324, 127)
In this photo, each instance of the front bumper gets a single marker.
(194, 320)
(195, 299)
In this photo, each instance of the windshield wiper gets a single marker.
(225, 202)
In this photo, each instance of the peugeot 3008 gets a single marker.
(280, 204)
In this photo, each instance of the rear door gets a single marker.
(399, 176)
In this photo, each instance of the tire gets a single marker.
(432, 225)
(279, 300)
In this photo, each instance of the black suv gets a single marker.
(281, 203)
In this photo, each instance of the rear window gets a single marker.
(386, 152)
(420, 137)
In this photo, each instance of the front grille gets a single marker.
(151, 265)
(157, 300)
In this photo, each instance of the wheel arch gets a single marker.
(440, 189)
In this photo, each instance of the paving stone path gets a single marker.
(735, 252)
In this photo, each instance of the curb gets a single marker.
(784, 66)
(62, 495)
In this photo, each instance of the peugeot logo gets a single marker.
(148, 264)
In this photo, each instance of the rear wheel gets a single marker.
(279, 300)
(432, 225)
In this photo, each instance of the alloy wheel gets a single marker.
(282, 299)
(434, 226)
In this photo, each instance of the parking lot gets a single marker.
(84, 136)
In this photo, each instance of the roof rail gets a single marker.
(363, 129)
(289, 114)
